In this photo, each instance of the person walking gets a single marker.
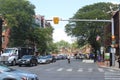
(119, 61)
(68, 58)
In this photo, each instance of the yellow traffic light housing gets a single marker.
(56, 20)
(113, 40)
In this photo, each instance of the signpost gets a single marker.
(113, 51)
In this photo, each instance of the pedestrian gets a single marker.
(119, 61)
(68, 58)
(1, 52)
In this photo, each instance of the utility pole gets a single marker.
(1, 23)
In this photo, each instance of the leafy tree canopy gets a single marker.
(19, 17)
(86, 32)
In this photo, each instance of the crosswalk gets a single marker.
(78, 69)
(109, 74)
(112, 76)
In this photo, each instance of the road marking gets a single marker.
(111, 70)
(112, 78)
(90, 70)
(80, 70)
(69, 69)
(60, 69)
(88, 61)
(100, 69)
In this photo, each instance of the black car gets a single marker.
(28, 60)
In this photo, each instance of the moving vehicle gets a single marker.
(11, 55)
(28, 60)
(7, 73)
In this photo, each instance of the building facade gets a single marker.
(108, 41)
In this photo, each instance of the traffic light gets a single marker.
(113, 37)
(56, 20)
(113, 40)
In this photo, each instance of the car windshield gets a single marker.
(39, 57)
(43, 57)
(26, 56)
(9, 51)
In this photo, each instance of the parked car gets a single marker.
(7, 73)
(50, 58)
(61, 57)
(28, 60)
(43, 59)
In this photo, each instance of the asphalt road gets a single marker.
(76, 70)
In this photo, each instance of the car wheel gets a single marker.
(19, 65)
(13, 62)
(36, 63)
(31, 64)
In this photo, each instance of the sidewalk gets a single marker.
(106, 64)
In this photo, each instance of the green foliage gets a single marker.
(24, 32)
(74, 45)
(62, 44)
(16, 11)
(19, 17)
(42, 37)
(86, 32)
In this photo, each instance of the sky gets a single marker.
(64, 9)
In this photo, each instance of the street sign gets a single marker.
(107, 56)
(101, 49)
(113, 50)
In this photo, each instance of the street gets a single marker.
(76, 70)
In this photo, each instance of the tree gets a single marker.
(62, 44)
(24, 31)
(19, 17)
(42, 37)
(86, 32)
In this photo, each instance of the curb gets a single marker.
(110, 67)
(103, 66)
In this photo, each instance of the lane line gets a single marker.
(70, 69)
(60, 69)
(80, 70)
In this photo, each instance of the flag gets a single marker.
(97, 38)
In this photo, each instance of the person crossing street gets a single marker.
(68, 58)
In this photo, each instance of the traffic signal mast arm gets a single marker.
(82, 20)
(94, 20)
(56, 21)
(87, 20)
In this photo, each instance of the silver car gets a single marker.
(7, 73)
(43, 60)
